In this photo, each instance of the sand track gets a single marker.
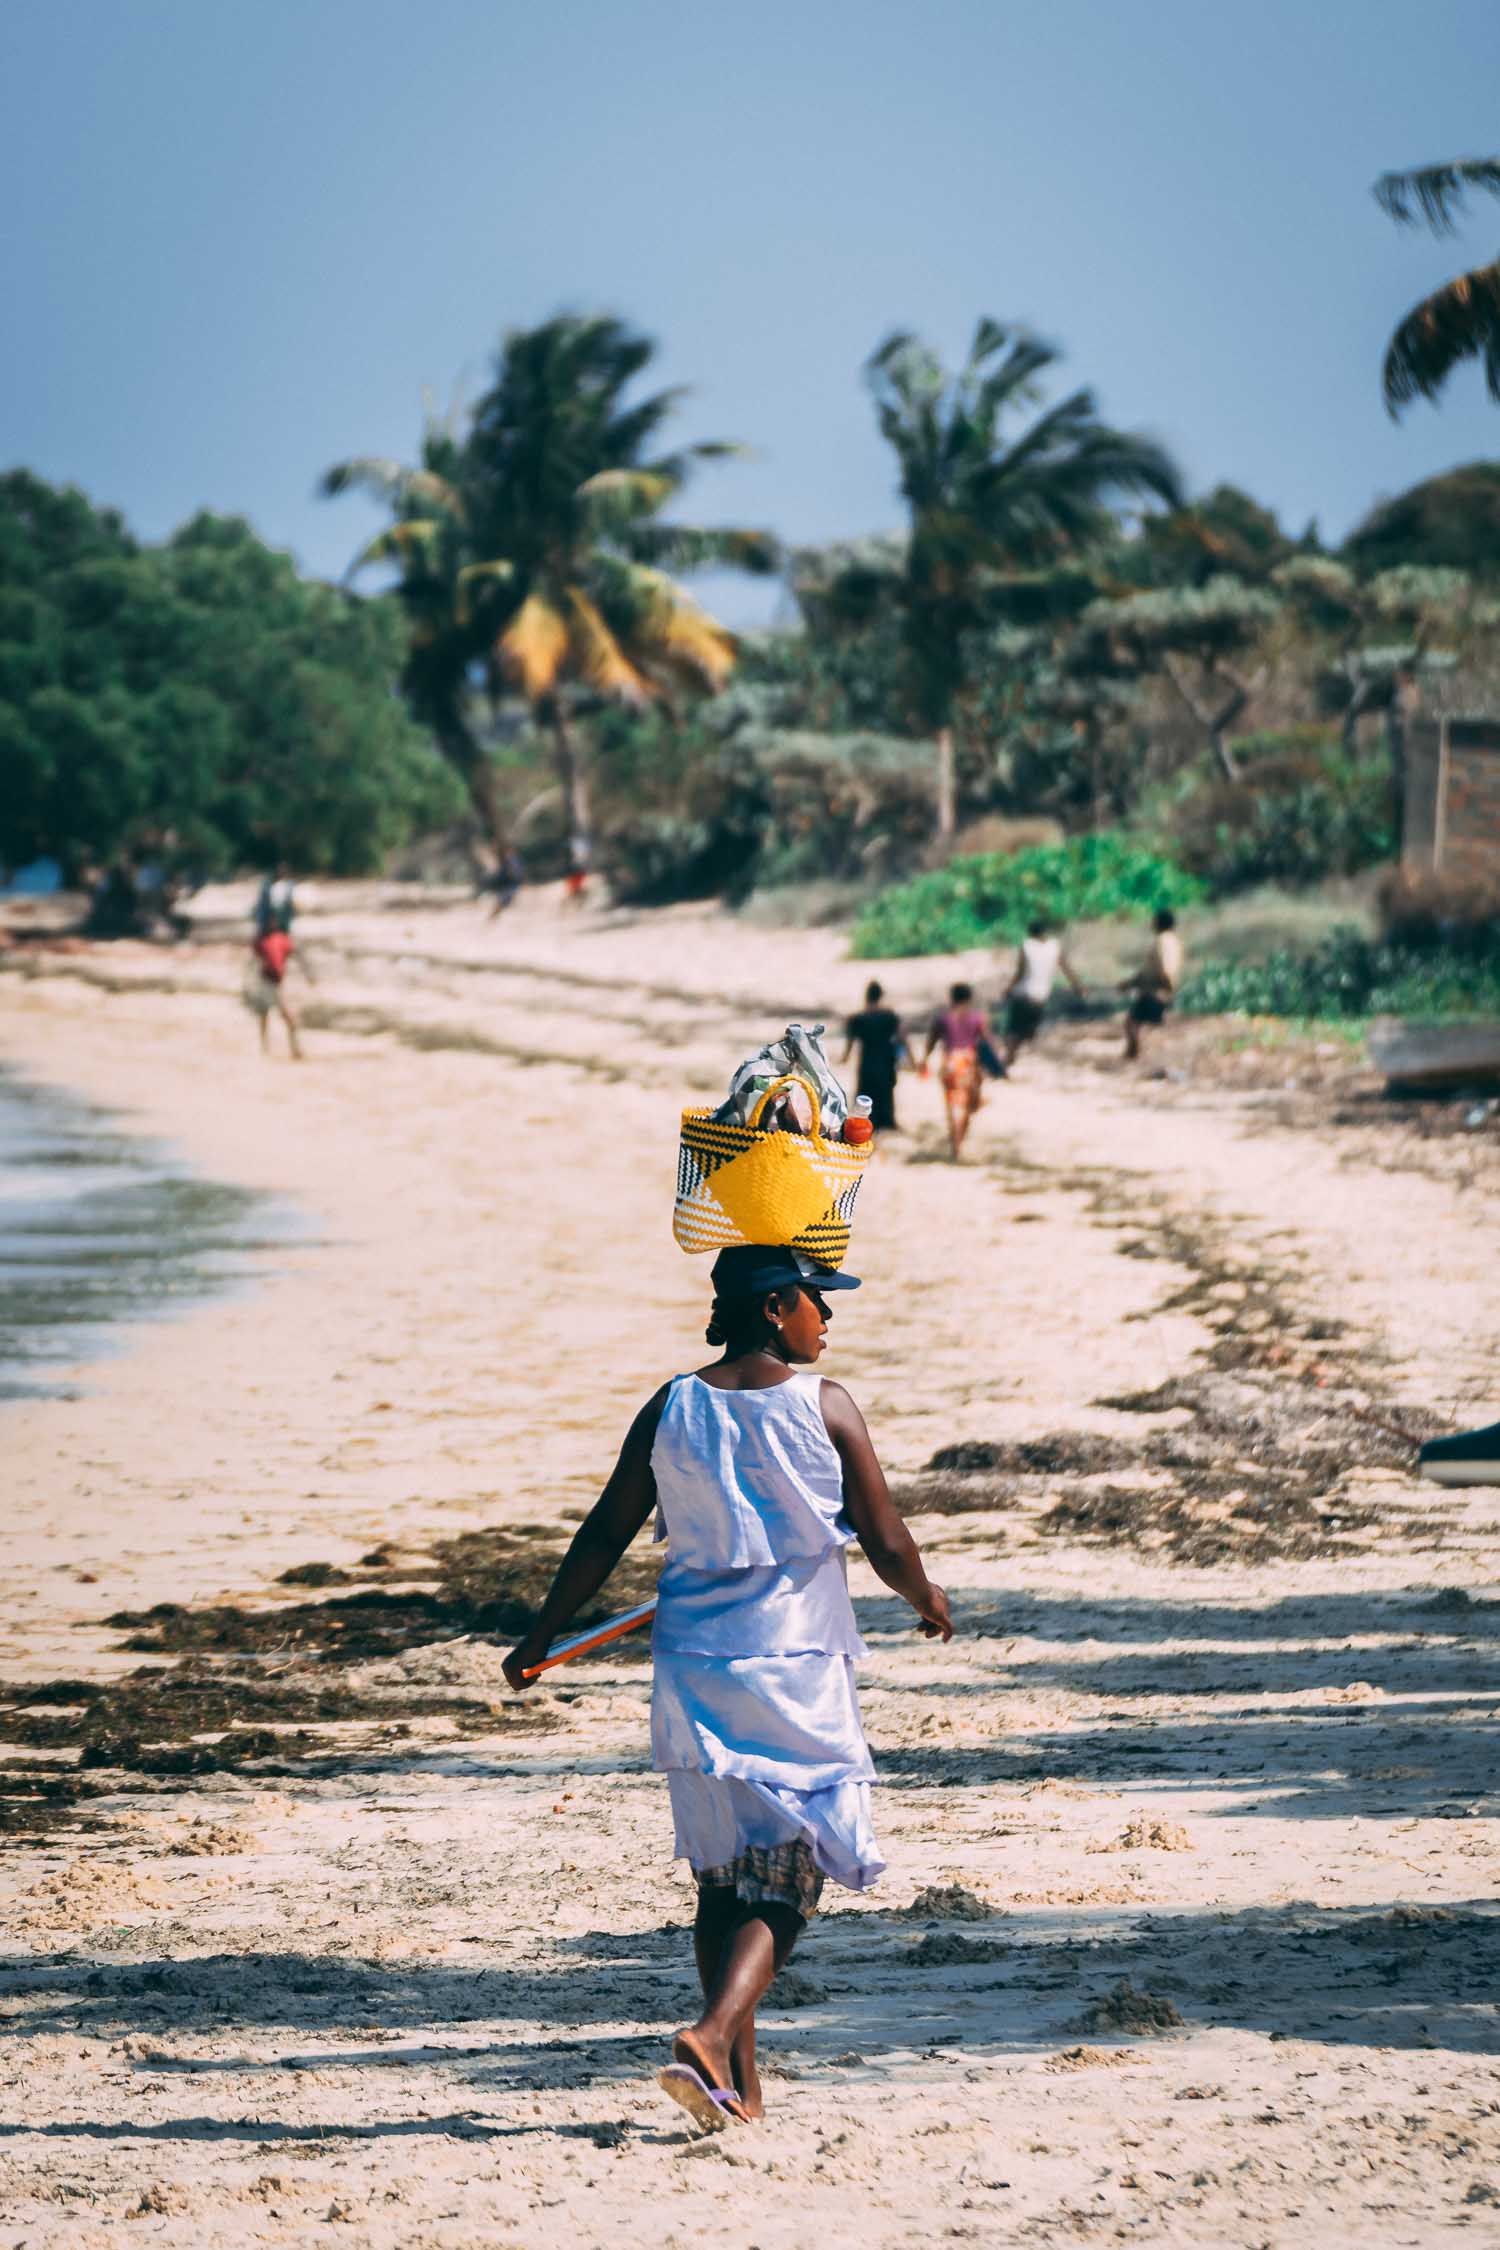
(321, 1938)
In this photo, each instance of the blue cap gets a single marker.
(752, 1269)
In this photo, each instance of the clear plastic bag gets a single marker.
(797, 1054)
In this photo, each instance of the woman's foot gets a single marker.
(711, 2110)
(711, 2059)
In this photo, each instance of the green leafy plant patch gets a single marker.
(991, 899)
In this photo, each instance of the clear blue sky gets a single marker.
(241, 236)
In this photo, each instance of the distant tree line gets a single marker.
(1056, 630)
(197, 704)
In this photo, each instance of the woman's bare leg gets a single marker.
(753, 1943)
(718, 1911)
(290, 1021)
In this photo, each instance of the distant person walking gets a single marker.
(505, 882)
(265, 987)
(876, 1031)
(580, 858)
(1155, 984)
(1042, 959)
(960, 1030)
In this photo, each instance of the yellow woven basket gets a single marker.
(736, 1183)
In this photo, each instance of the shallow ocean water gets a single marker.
(101, 1227)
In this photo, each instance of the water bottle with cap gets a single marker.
(858, 1127)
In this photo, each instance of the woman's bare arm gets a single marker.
(889, 1547)
(599, 1542)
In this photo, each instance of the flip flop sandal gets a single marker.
(711, 2108)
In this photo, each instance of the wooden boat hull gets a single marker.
(1438, 1056)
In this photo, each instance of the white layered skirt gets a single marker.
(755, 1718)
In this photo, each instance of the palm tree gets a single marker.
(983, 508)
(531, 551)
(1462, 319)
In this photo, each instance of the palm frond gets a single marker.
(1014, 382)
(533, 647)
(1053, 436)
(626, 432)
(675, 631)
(615, 499)
(909, 386)
(409, 542)
(678, 546)
(1434, 194)
(597, 656)
(1460, 321)
(393, 482)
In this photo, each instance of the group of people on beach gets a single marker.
(961, 1032)
(760, 1475)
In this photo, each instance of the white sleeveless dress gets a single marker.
(754, 1717)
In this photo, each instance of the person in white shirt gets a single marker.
(1039, 963)
(1155, 983)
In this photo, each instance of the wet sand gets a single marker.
(1188, 1932)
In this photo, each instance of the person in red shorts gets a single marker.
(960, 1030)
(265, 986)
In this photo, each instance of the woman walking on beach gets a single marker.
(764, 1474)
(1155, 984)
(876, 1031)
(960, 1030)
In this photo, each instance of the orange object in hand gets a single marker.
(597, 1636)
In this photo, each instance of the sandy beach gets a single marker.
(312, 1931)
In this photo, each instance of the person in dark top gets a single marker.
(876, 1031)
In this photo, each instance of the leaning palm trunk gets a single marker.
(572, 775)
(947, 787)
(474, 770)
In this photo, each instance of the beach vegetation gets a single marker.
(992, 898)
(996, 485)
(1352, 976)
(195, 704)
(534, 545)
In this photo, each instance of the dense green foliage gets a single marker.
(1306, 809)
(1351, 976)
(991, 899)
(1018, 651)
(196, 703)
(727, 800)
(1448, 522)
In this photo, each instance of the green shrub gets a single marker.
(1352, 976)
(991, 899)
(1304, 811)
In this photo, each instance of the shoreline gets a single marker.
(102, 1230)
